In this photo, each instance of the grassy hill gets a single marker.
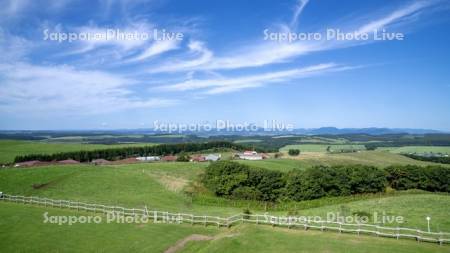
(23, 230)
(267, 239)
(322, 147)
(417, 149)
(160, 186)
(9, 149)
(310, 159)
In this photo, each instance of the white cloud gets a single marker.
(223, 85)
(51, 90)
(394, 16)
(298, 10)
(197, 50)
(155, 49)
(257, 54)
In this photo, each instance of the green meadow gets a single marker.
(417, 149)
(162, 186)
(322, 147)
(9, 149)
(159, 186)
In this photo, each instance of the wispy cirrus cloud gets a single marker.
(198, 55)
(96, 68)
(224, 85)
(301, 4)
(28, 88)
(272, 52)
(156, 48)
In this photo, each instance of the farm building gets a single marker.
(169, 158)
(251, 155)
(197, 158)
(68, 161)
(28, 163)
(205, 158)
(212, 157)
(148, 158)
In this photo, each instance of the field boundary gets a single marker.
(259, 219)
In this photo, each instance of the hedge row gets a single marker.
(126, 152)
(239, 181)
(434, 159)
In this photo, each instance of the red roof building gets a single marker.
(169, 158)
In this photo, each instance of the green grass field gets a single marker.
(9, 149)
(417, 149)
(23, 230)
(159, 186)
(322, 147)
(266, 239)
(247, 141)
(373, 158)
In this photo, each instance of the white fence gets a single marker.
(290, 222)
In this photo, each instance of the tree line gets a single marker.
(431, 178)
(238, 181)
(434, 159)
(126, 152)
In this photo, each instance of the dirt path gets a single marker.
(194, 237)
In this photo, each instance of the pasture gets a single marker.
(9, 149)
(26, 231)
(162, 186)
(417, 149)
(323, 147)
(159, 186)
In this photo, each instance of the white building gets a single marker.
(148, 158)
(250, 155)
(213, 157)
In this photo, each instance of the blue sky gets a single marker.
(223, 68)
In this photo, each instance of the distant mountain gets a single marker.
(44, 134)
(371, 131)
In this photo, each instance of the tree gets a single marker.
(294, 152)
(183, 157)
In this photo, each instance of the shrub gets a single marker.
(294, 152)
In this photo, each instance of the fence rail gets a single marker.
(260, 219)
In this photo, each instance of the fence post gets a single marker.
(440, 238)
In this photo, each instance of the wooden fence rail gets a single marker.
(260, 219)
